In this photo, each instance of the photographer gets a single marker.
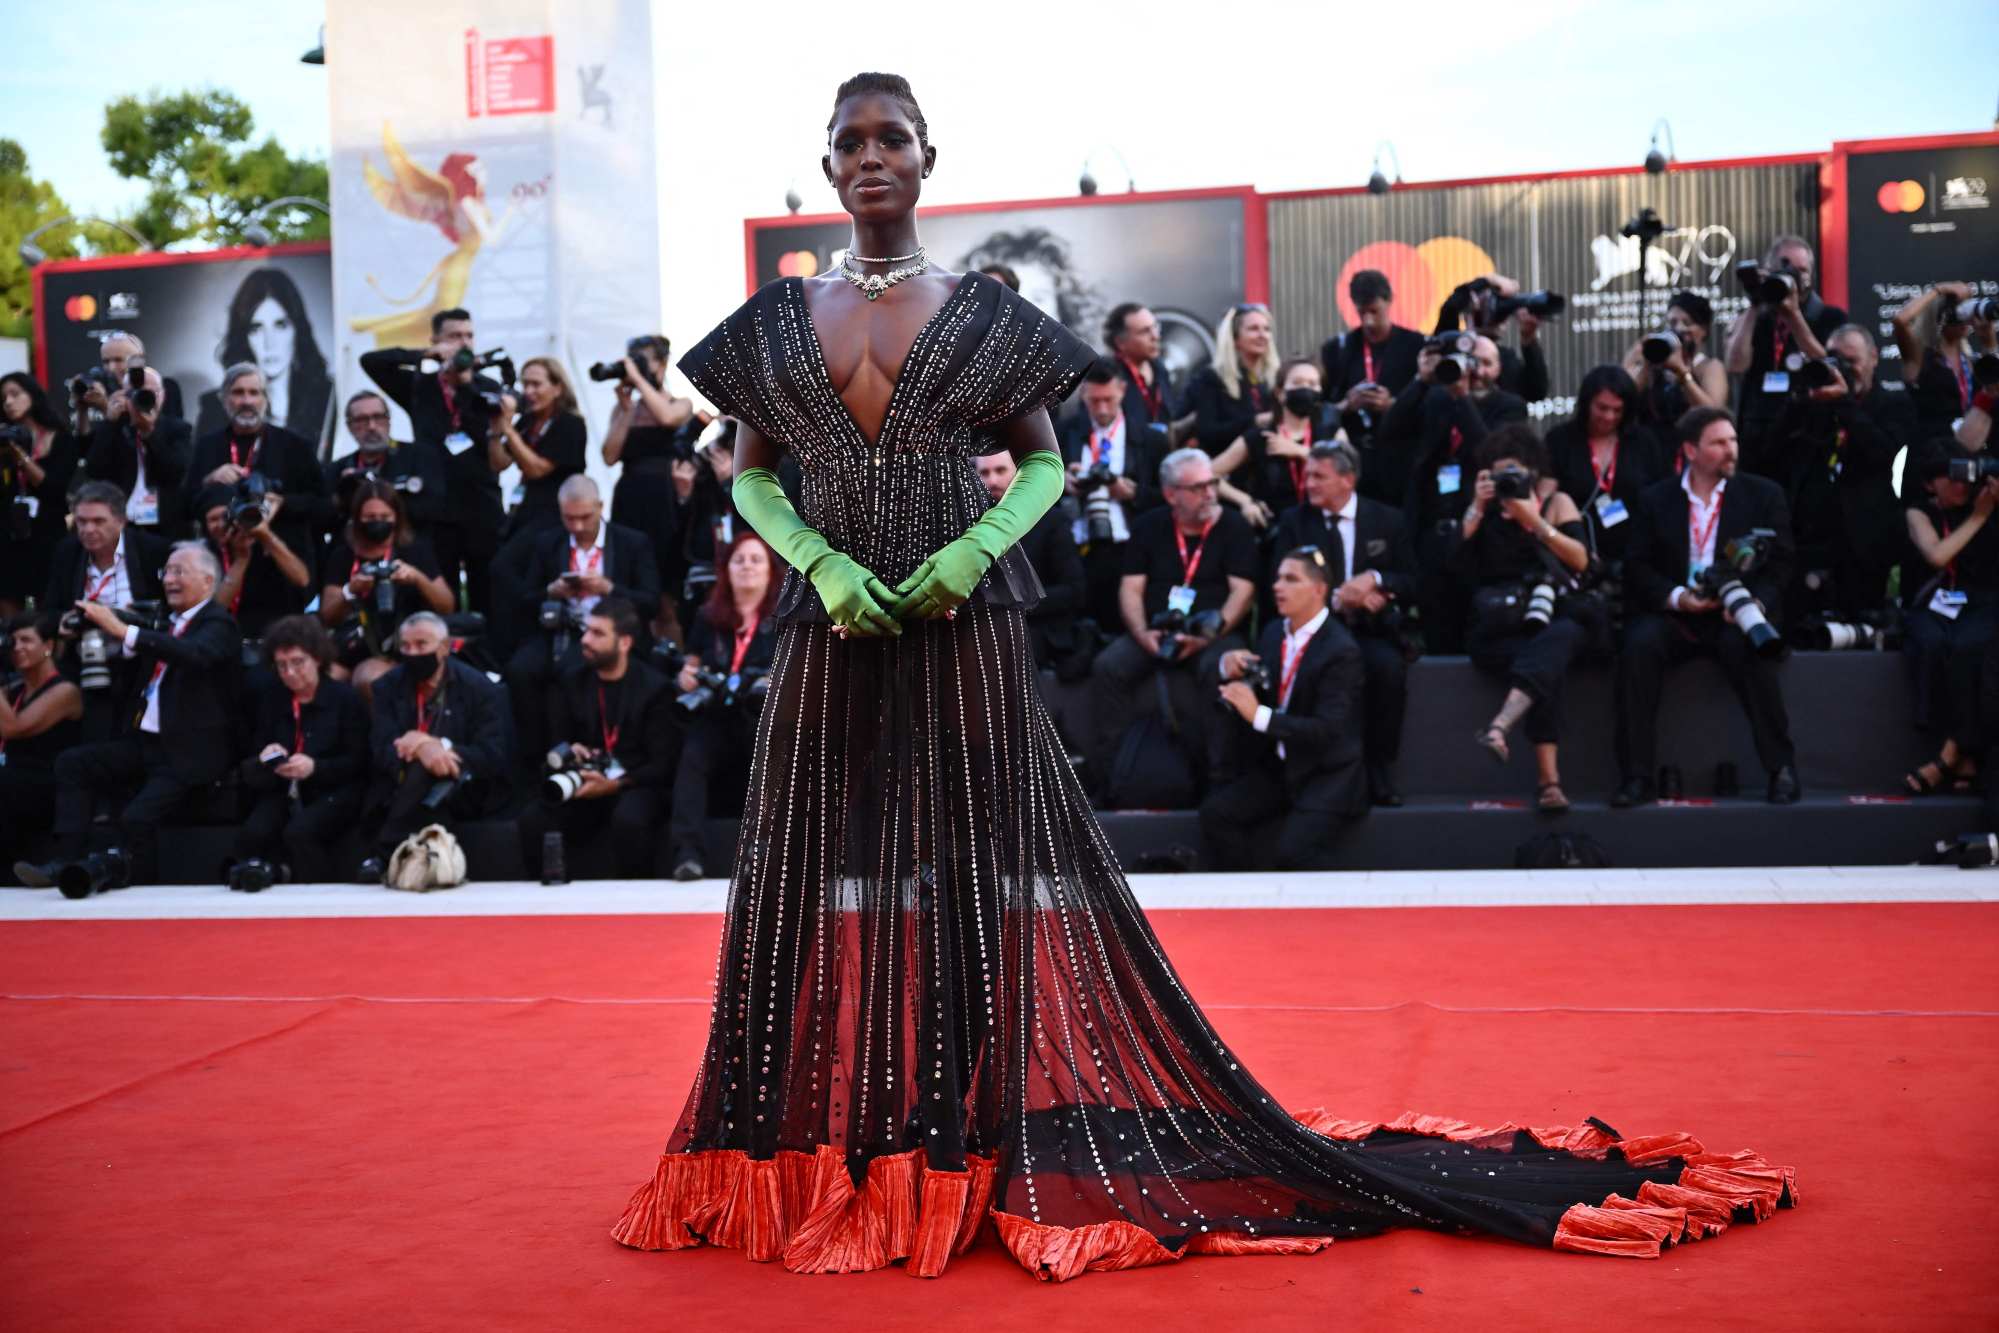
(308, 770)
(418, 474)
(645, 444)
(1284, 808)
(1832, 449)
(732, 637)
(102, 561)
(1058, 641)
(439, 746)
(1131, 335)
(180, 741)
(37, 459)
(378, 574)
(1366, 369)
(40, 718)
(1368, 554)
(253, 457)
(144, 453)
(1113, 462)
(613, 717)
(451, 411)
(1484, 305)
(1675, 606)
(1233, 393)
(705, 521)
(547, 441)
(1785, 316)
(1189, 581)
(562, 574)
(1953, 612)
(1522, 550)
(1939, 343)
(1264, 471)
(1671, 368)
(93, 394)
(262, 578)
(1447, 409)
(1603, 458)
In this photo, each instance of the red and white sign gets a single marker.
(509, 76)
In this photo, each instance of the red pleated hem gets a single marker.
(804, 1210)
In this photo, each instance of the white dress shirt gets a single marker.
(1698, 520)
(118, 590)
(150, 720)
(587, 560)
(1295, 642)
(1114, 434)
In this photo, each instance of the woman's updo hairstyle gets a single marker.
(888, 85)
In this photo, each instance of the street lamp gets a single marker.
(32, 254)
(1087, 185)
(1656, 161)
(1378, 183)
(257, 234)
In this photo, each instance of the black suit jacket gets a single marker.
(1346, 361)
(398, 463)
(291, 463)
(1143, 448)
(335, 724)
(647, 719)
(1322, 728)
(145, 556)
(471, 713)
(1050, 546)
(1379, 531)
(200, 695)
(629, 562)
(473, 487)
(111, 457)
(1655, 561)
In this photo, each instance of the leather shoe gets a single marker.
(1671, 785)
(374, 870)
(687, 868)
(1633, 791)
(1784, 789)
(1381, 785)
(37, 874)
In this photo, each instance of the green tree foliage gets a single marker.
(25, 204)
(204, 175)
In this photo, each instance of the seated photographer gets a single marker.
(1263, 472)
(180, 740)
(1447, 409)
(1709, 557)
(102, 561)
(1953, 612)
(41, 716)
(1671, 368)
(440, 749)
(144, 453)
(255, 456)
(612, 718)
(1368, 553)
(1940, 344)
(1289, 798)
(262, 578)
(37, 459)
(1366, 369)
(1785, 317)
(562, 573)
(418, 474)
(1189, 583)
(1113, 465)
(1603, 457)
(377, 575)
(1050, 547)
(1832, 449)
(548, 441)
(730, 647)
(308, 769)
(1232, 393)
(1131, 336)
(1522, 550)
(1483, 306)
(643, 497)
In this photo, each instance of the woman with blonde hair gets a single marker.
(546, 440)
(1234, 393)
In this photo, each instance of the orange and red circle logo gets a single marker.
(80, 308)
(1421, 276)
(1900, 197)
(797, 264)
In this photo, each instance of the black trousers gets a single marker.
(453, 553)
(531, 673)
(1538, 663)
(132, 769)
(1103, 571)
(1121, 686)
(300, 835)
(633, 817)
(27, 805)
(403, 810)
(1385, 676)
(1657, 641)
(1944, 659)
(1445, 604)
(715, 757)
(1249, 823)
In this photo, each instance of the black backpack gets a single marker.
(1153, 769)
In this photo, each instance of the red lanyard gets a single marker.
(1292, 661)
(256, 446)
(1366, 359)
(1187, 568)
(450, 398)
(581, 566)
(1962, 374)
(1699, 537)
(422, 718)
(744, 634)
(298, 728)
(1151, 394)
(1606, 477)
(1779, 336)
(604, 723)
(1298, 465)
(160, 668)
(95, 593)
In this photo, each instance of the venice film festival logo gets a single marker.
(1959, 193)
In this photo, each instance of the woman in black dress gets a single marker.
(1939, 349)
(1234, 393)
(547, 441)
(937, 1000)
(41, 715)
(1953, 616)
(37, 460)
(1604, 457)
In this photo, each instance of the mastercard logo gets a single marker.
(1421, 276)
(80, 308)
(797, 264)
(1900, 197)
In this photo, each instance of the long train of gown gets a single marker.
(937, 1002)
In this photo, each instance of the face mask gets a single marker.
(378, 529)
(1302, 402)
(421, 666)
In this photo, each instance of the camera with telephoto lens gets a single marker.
(1256, 675)
(607, 372)
(143, 399)
(247, 501)
(566, 767)
(497, 361)
(381, 571)
(1095, 486)
(1971, 471)
(1542, 305)
(1511, 481)
(1456, 356)
(1724, 581)
(1769, 287)
(18, 436)
(1810, 373)
(1658, 348)
(1648, 227)
(94, 874)
(561, 621)
(80, 385)
(1869, 631)
(1984, 309)
(252, 876)
(720, 689)
(1171, 624)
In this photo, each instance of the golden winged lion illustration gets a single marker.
(452, 199)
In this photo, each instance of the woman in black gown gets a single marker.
(937, 1001)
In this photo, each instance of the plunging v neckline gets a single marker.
(901, 372)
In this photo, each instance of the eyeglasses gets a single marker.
(1251, 308)
(369, 419)
(1211, 484)
(1312, 553)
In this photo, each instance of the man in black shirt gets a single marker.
(1762, 339)
(1523, 373)
(250, 443)
(1367, 368)
(617, 714)
(417, 473)
(1194, 555)
(1103, 433)
(1131, 335)
(449, 413)
(144, 453)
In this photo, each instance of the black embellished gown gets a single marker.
(937, 1002)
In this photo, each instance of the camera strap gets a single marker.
(1963, 375)
(1187, 567)
(604, 722)
(1701, 539)
(247, 463)
(745, 633)
(1152, 394)
(298, 728)
(1291, 662)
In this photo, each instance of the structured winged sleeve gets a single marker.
(1026, 359)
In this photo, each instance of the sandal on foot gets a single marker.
(1925, 779)
(1550, 799)
(1493, 741)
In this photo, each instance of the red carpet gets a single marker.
(355, 1162)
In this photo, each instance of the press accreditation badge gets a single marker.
(1449, 477)
(1947, 602)
(457, 443)
(614, 770)
(1611, 511)
(1777, 381)
(31, 503)
(144, 509)
(1180, 599)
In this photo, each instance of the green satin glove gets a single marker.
(943, 581)
(854, 598)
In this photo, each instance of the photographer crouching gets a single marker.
(616, 742)
(1301, 696)
(377, 575)
(440, 748)
(722, 682)
(41, 716)
(309, 769)
(1954, 614)
(179, 740)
